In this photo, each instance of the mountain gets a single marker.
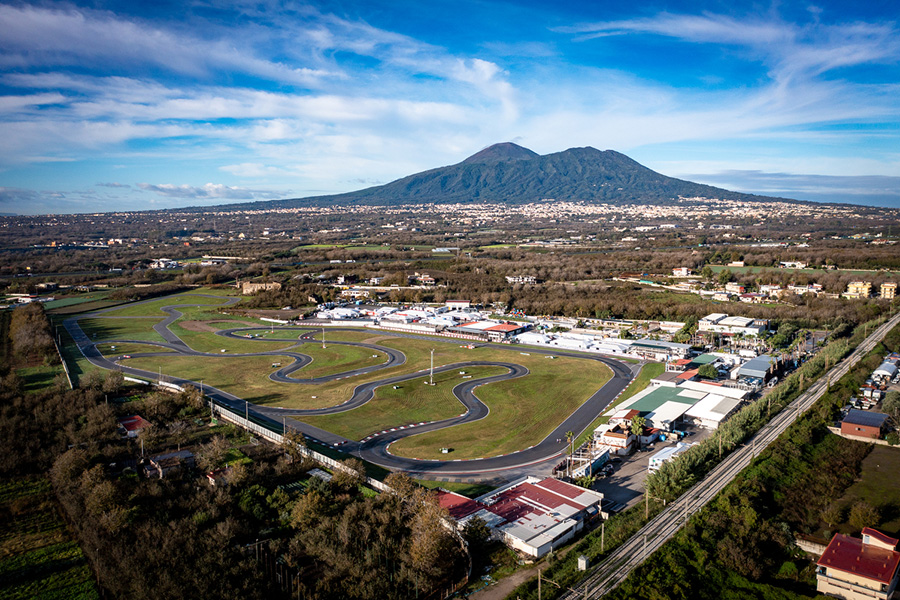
(510, 174)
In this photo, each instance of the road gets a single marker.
(374, 448)
(608, 574)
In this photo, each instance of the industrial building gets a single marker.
(531, 515)
(723, 324)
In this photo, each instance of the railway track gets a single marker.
(611, 572)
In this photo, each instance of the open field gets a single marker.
(648, 372)
(743, 270)
(412, 402)
(522, 412)
(121, 329)
(38, 557)
(246, 377)
(153, 308)
(202, 341)
(39, 377)
(108, 350)
(879, 486)
(336, 358)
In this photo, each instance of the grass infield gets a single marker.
(412, 402)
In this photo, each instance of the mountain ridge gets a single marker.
(511, 174)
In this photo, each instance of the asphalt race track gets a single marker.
(374, 448)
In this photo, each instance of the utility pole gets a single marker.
(602, 538)
(247, 409)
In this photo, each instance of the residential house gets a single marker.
(132, 426)
(859, 569)
(858, 290)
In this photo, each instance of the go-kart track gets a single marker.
(375, 447)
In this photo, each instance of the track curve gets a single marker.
(374, 448)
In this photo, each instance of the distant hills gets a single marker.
(510, 174)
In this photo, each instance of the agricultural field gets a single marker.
(38, 557)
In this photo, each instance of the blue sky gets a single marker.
(138, 105)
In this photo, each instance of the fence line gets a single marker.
(277, 438)
(65, 366)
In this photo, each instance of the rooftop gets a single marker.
(865, 417)
(852, 555)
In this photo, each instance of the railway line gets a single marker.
(621, 562)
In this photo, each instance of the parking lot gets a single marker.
(626, 484)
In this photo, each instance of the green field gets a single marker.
(121, 329)
(107, 349)
(472, 490)
(153, 308)
(522, 411)
(336, 358)
(879, 486)
(743, 270)
(38, 557)
(412, 402)
(40, 377)
(205, 341)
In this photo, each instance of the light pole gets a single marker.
(431, 376)
(323, 338)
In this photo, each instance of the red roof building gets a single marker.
(132, 426)
(853, 568)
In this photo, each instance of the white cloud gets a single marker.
(209, 190)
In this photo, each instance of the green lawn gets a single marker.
(121, 329)
(336, 358)
(38, 557)
(40, 377)
(107, 349)
(522, 411)
(648, 372)
(206, 341)
(472, 490)
(412, 402)
(246, 377)
(153, 308)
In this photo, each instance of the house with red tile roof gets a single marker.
(859, 568)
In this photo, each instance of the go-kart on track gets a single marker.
(375, 447)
